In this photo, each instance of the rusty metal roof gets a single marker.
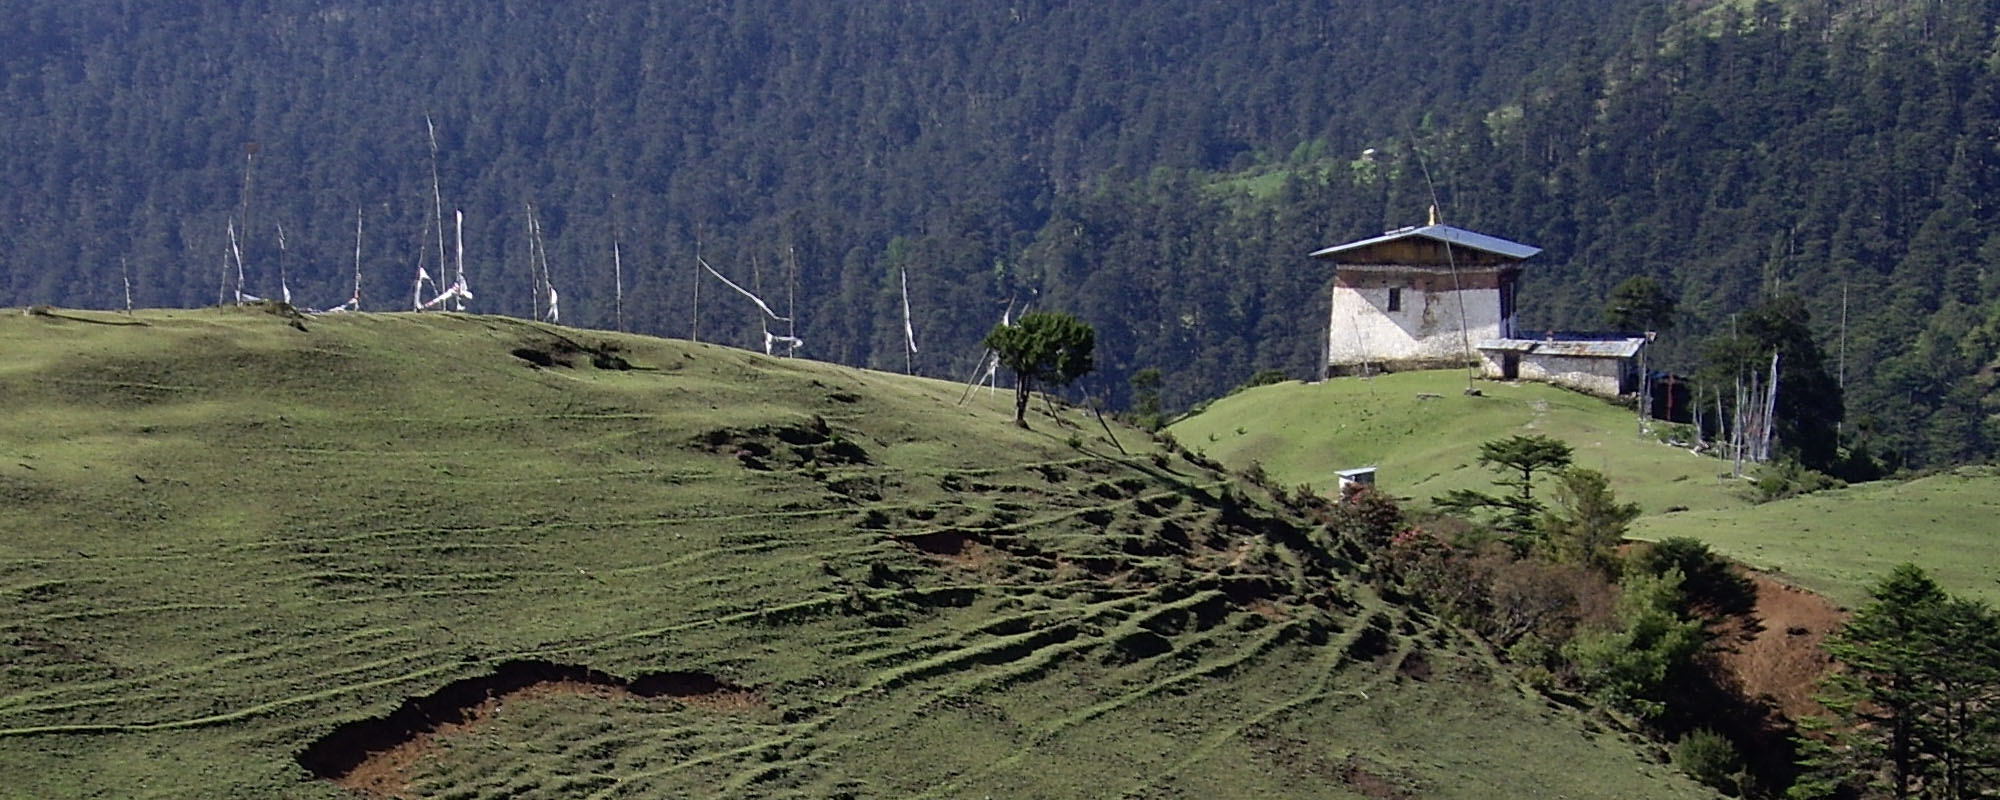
(1584, 348)
(1440, 233)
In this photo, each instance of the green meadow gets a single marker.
(1424, 432)
(441, 555)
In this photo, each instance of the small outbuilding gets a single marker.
(1603, 367)
(1358, 476)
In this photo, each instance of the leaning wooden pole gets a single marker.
(694, 329)
(1770, 408)
(618, 284)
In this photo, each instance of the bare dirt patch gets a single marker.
(377, 757)
(955, 548)
(1269, 610)
(1776, 653)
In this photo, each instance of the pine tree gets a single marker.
(1046, 348)
(1913, 708)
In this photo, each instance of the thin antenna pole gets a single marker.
(1843, 334)
(458, 246)
(1840, 428)
(1645, 403)
(355, 299)
(694, 332)
(618, 282)
(534, 272)
(1770, 408)
(222, 285)
(1451, 258)
(249, 160)
(437, 190)
(791, 300)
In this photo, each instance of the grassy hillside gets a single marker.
(1841, 542)
(474, 557)
(1424, 433)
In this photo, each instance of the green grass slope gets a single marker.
(1424, 433)
(229, 542)
(1841, 542)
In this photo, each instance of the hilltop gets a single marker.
(1424, 433)
(468, 556)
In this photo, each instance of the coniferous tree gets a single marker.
(1914, 705)
(1045, 348)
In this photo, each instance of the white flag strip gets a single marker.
(909, 333)
(417, 292)
(284, 285)
(355, 301)
(458, 245)
(456, 290)
(742, 291)
(776, 339)
(238, 252)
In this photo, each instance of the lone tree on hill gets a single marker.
(1526, 455)
(1046, 348)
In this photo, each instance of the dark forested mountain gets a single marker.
(1158, 168)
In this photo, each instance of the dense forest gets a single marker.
(1157, 168)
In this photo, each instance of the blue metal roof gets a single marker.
(1440, 233)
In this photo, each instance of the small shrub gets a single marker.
(1787, 479)
(1255, 474)
(1710, 584)
(1074, 441)
(1676, 433)
(1368, 516)
(1708, 757)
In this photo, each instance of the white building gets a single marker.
(1604, 367)
(1419, 298)
(1438, 296)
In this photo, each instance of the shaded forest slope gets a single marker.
(1159, 168)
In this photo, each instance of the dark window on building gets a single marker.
(1395, 299)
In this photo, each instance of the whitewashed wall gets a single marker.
(1598, 376)
(1362, 330)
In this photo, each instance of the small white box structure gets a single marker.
(1359, 476)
